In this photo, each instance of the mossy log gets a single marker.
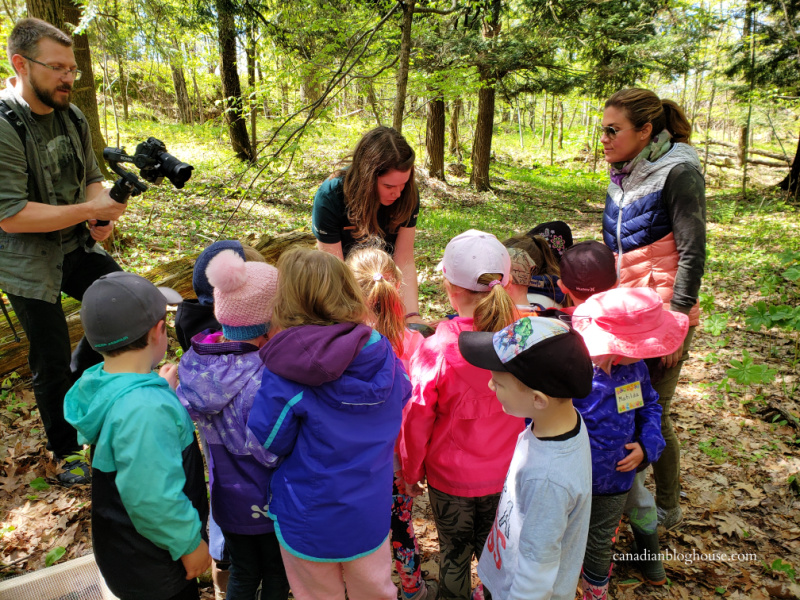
(176, 274)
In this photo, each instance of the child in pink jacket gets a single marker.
(455, 433)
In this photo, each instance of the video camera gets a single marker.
(154, 163)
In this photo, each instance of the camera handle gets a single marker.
(126, 186)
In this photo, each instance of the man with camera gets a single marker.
(50, 187)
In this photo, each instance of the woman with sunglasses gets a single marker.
(655, 222)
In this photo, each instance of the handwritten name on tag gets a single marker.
(629, 397)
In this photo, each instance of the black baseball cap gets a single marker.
(119, 308)
(544, 354)
(588, 268)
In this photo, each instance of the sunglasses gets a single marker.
(610, 132)
(63, 71)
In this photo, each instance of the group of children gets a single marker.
(321, 415)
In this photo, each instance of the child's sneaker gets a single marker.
(669, 519)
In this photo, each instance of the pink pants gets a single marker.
(368, 577)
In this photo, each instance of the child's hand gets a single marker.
(170, 373)
(198, 562)
(413, 490)
(633, 460)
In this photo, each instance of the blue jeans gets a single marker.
(255, 559)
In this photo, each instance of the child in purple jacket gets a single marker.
(220, 375)
(621, 327)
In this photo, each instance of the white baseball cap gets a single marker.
(472, 254)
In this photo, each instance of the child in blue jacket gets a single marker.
(331, 402)
(621, 327)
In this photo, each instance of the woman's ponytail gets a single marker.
(676, 122)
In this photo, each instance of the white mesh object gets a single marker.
(77, 579)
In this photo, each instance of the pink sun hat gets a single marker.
(630, 322)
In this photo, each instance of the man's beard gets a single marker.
(48, 98)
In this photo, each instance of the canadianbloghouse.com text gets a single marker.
(685, 557)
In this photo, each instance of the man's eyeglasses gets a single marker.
(610, 132)
(63, 71)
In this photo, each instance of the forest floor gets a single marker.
(737, 421)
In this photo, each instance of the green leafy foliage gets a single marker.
(780, 566)
(39, 484)
(746, 372)
(757, 316)
(716, 323)
(54, 556)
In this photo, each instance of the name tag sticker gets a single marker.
(629, 397)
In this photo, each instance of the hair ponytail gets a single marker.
(496, 310)
(379, 279)
(676, 122)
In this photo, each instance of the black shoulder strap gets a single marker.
(76, 119)
(16, 123)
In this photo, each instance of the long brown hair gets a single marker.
(643, 106)
(380, 278)
(539, 250)
(316, 288)
(379, 151)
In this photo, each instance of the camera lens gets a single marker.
(173, 169)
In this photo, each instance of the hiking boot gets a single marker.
(669, 518)
(646, 548)
(75, 472)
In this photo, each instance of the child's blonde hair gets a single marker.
(380, 279)
(496, 309)
(316, 288)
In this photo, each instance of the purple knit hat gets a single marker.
(244, 295)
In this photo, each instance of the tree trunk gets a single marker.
(83, 93)
(790, 182)
(373, 102)
(198, 98)
(482, 145)
(708, 121)
(181, 94)
(455, 143)
(434, 137)
(402, 69)
(123, 86)
(51, 11)
(251, 80)
(544, 119)
(231, 88)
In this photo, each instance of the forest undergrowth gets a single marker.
(736, 408)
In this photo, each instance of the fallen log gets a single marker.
(775, 155)
(176, 274)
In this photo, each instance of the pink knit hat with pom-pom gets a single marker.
(244, 295)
